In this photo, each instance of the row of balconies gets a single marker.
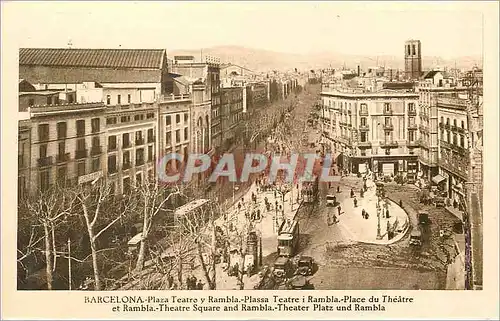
(452, 128)
(458, 149)
(79, 154)
(388, 144)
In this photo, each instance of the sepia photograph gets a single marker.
(248, 146)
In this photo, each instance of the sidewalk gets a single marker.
(365, 230)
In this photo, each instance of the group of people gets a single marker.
(193, 283)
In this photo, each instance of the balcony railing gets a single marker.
(364, 144)
(451, 102)
(363, 112)
(413, 143)
(126, 145)
(96, 150)
(364, 127)
(126, 166)
(389, 144)
(461, 130)
(412, 126)
(387, 112)
(139, 141)
(151, 139)
(61, 158)
(388, 127)
(45, 161)
(111, 148)
(112, 170)
(139, 162)
(79, 154)
(412, 112)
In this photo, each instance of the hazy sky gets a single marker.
(446, 29)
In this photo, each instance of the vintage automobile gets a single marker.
(298, 282)
(331, 200)
(416, 237)
(423, 218)
(305, 266)
(281, 267)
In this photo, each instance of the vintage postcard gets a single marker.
(205, 160)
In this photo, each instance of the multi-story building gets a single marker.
(231, 115)
(130, 143)
(66, 144)
(23, 157)
(429, 126)
(203, 80)
(453, 145)
(374, 129)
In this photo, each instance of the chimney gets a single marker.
(358, 70)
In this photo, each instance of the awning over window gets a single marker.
(438, 179)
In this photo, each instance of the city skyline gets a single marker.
(318, 31)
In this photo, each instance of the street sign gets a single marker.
(89, 177)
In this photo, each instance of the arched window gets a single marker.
(454, 122)
(462, 141)
(442, 120)
(454, 139)
(447, 121)
(463, 124)
(448, 136)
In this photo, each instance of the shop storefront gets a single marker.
(393, 166)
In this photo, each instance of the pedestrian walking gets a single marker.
(352, 193)
(363, 213)
(334, 200)
(387, 213)
(361, 193)
(339, 210)
(199, 285)
(401, 203)
(239, 206)
(367, 215)
(355, 202)
(338, 189)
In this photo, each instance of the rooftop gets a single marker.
(94, 58)
(186, 208)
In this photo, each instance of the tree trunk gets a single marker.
(142, 248)
(95, 263)
(48, 257)
(203, 265)
(214, 252)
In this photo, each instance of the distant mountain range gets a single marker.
(264, 60)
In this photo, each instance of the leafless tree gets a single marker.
(237, 230)
(200, 227)
(153, 196)
(101, 210)
(45, 211)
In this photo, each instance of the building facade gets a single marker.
(378, 130)
(232, 114)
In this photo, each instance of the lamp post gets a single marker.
(378, 220)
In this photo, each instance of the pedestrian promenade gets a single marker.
(365, 230)
(268, 224)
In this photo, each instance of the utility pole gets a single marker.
(69, 264)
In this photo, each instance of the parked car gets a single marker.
(331, 200)
(416, 237)
(282, 267)
(299, 282)
(423, 217)
(305, 266)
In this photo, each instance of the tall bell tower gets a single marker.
(413, 59)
